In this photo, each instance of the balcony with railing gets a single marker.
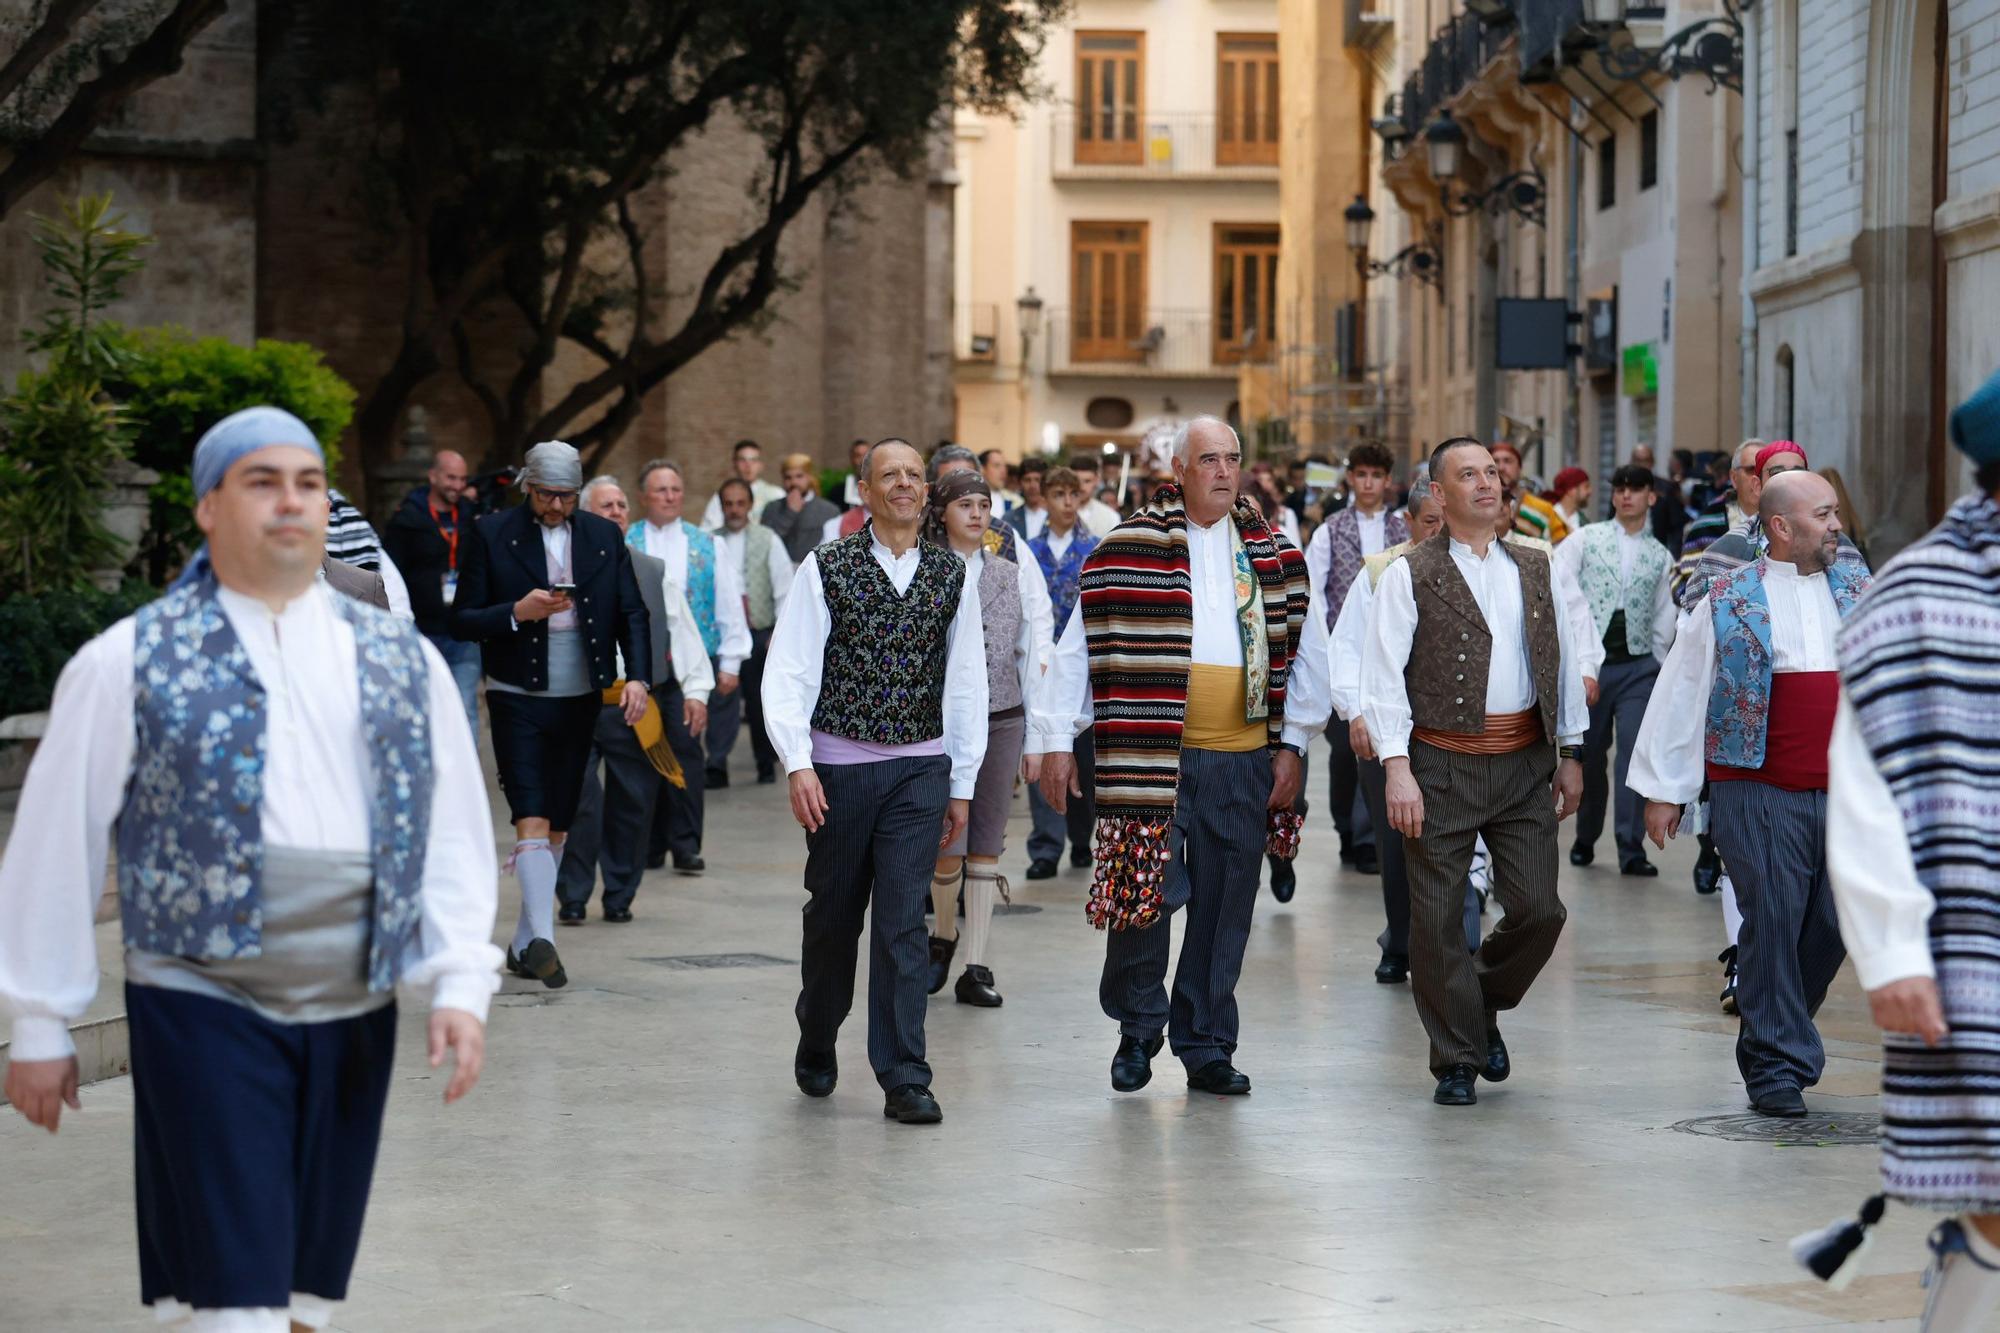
(1151, 344)
(1126, 143)
(977, 337)
(1458, 54)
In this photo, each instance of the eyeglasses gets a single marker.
(554, 497)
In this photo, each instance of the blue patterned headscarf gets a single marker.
(227, 443)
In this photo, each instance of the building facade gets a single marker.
(1117, 246)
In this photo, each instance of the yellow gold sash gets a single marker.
(652, 731)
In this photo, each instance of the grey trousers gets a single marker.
(1774, 843)
(1622, 691)
(1218, 858)
(876, 850)
(1045, 841)
(609, 830)
(1394, 940)
(1507, 800)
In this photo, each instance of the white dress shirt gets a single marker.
(1347, 641)
(776, 562)
(797, 663)
(830, 532)
(1569, 564)
(1670, 758)
(1036, 519)
(692, 671)
(1495, 581)
(396, 591)
(1035, 640)
(670, 543)
(316, 798)
(761, 493)
(1099, 517)
(1884, 909)
(1374, 530)
(1061, 709)
(1059, 543)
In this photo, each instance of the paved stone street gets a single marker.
(637, 1157)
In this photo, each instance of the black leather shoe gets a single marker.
(1780, 1103)
(1132, 1067)
(1284, 879)
(1707, 868)
(655, 862)
(714, 780)
(941, 952)
(766, 779)
(1497, 1065)
(816, 1073)
(514, 966)
(1041, 868)
(912, 1105)
(570, 914)
(540, 961)
(689, 865)
(1393, 970)
(618, 916)
(975, 987)
(1079, 860)
(1639, 868)
(1728, 960)
(1221, 1078)
(1580, 855)
(1455, 1088)
(1366, 863)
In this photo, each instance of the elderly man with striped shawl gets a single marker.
(1194, 655)
(1913, 846)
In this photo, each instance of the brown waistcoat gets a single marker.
(1453, 649)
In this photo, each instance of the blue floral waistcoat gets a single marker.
(1739, 703)
(700, 588)
(190, 839)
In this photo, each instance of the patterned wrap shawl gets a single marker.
(1137, 603)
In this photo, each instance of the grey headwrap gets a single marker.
(554, 465)
(242, 433)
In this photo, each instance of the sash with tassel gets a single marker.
(652, 731)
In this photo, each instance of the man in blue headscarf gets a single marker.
(300, 824)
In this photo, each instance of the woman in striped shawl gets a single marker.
(1914, 851)
(1194, 657)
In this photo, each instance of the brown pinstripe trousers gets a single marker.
(1507, 800)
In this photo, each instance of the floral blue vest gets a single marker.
(1063, 576)
(1739, 703)
(190, 842)
(700, 579)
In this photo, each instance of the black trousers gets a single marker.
(676, 815)
(612, 817)
(752, 691)
(1078, 822)
(1350, 815)
(877, 848)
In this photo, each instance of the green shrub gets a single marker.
(39, 633)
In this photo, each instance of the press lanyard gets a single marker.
(450, 536)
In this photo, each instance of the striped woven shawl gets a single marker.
(1920, 659)
(1137, 603)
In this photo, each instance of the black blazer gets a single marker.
(505, 561)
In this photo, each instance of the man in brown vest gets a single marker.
(1474, 701)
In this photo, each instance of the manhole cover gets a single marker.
(1015, 909)
(707, 961)
(1821, 1129)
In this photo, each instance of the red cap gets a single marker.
(1504, 445)
(1569, 477)
(1776, 447)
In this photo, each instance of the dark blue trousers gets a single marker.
(1220, 824)
(876, 851)
(254, 1147)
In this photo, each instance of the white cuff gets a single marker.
(798, 763)
(1569, 740)
(1387, 750)
(729, 666)
(469, 991)
(1893, 962)
(962, 791)
(1048, 742)
(39, 1037)
(695, 696)
(1293, 734)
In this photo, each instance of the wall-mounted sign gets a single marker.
(1639, 371)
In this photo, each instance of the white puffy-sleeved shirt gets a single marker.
(670, 543)
(316, 797)
(1884, 909)
(1033, 643)
(1569, 563)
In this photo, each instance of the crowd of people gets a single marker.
(275, 749)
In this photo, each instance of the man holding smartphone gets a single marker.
(549, 595)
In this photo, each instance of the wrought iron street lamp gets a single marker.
(1028, 310)
(1710, 46)
(1420, 259)
(1524, 193)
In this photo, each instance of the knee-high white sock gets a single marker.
(982, 887)
(1964, 1287)
(944, 904)
(1732, 915)
(535, 868)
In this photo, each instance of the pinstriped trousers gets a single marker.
(1507, 800)
(877, 848)
(1220, 824)
(1774, 843)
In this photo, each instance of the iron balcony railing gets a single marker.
(1462, 47)
(1133, 142)
(1100, 341)
(1551, 31)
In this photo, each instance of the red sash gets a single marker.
(1796, 734)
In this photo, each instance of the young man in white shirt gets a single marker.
(746, 461)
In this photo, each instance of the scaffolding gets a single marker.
(1333, 393)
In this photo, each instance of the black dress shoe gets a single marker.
(1079, 859)
(816, 1073)
(1580, 855)
(1221, 1078)
(1041, 868)
(911, 1104)
(1728, 960)
(1780, 1103)
(714, 780)
(1497, 1065)
(941, 952)
(654, 862)
(540, 961)
(1639, 868)
(618, 916)
(1707, 868)
(1284, 879)
(975, 987)
(570, 914)
(689, 865)
(766, 779)
(1132, 1067)
(1393, 970)
(514, 965)
(1455, 1088)
(1366, 862)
